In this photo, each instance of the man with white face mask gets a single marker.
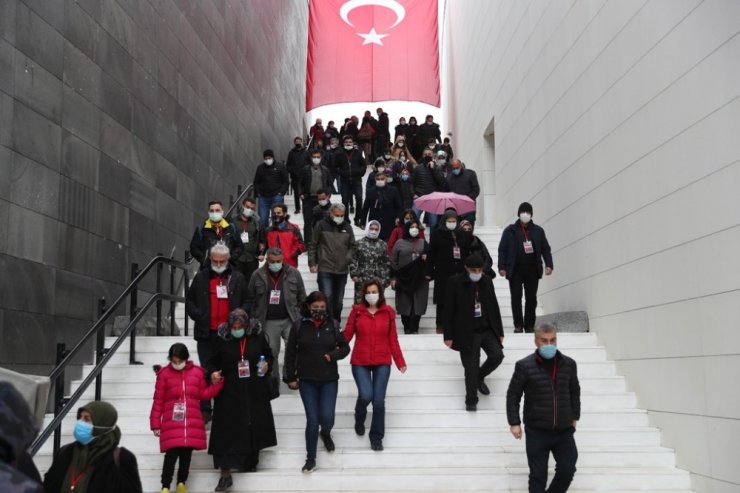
(314, 177)
(472, 321)
(271, 182)
(521, 250)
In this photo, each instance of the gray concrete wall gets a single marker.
(619, 121)
(119, 120)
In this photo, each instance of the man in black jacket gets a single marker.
(552, 407)
(215, 229)
(216, 290)
(473, 322)
(521, 250)
(271, 182)
(427, 178)
(313, 178)
(351, 168)
(295, 162)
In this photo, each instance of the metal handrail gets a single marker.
(242, 196)
(100, 323)
(71, 400)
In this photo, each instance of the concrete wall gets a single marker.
(619, 121)
(119, 120)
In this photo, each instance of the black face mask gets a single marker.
(428, 159)
(298, 146)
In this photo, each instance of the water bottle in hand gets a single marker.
(261, 367)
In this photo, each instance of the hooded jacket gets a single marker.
(188, 386)
(371, 259)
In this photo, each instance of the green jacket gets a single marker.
(332, 247)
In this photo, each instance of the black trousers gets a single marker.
(295, 180)
(247, 268)
(563, 447)
(410, 323)
(352, 191)
(524, 276)
(470, 358)
(206, 348)
(309, 203)
(168, 469)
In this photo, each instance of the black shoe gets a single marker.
(328, 442)
(518, 330)
(471, 407)
(351, 210)
(207, 416)
(297, 211)
(359, 428)
(224, 484)
(377, 446)
(309, 466)
(483, 388)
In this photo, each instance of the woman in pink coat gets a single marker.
(176, 418)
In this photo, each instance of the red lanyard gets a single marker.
(243, 345)
(275, 282)
(524, 232)
(75, 479)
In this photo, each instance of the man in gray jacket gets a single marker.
(330, 252)
(275, 294)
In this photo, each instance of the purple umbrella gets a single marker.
(439, 202)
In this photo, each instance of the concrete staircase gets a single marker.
(431, 443)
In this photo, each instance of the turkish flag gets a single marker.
(372, 50)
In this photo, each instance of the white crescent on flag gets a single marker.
(393, 5)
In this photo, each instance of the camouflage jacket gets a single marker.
(371, 261)
(14, 481)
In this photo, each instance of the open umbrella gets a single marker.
(439, 202)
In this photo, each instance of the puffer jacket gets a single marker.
(552, 401)
(376, 337)
(170, 388)
(307, 344)
(427, 179)
(332, 246)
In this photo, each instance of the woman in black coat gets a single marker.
(314, 346)
(477, 246)
(448, 249)
(94, 462)
(383, 204)
(242, 416)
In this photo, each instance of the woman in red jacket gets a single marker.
(176, 418)
(373, 322)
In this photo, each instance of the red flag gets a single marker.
(372, 50)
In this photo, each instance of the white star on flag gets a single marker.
(372, 37)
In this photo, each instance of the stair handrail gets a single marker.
(60, 414)
(242, 195)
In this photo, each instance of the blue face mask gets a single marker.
(276, 267)
(456, 171)
(548, 351)
(83, 432)
(237, 334)
(405, 177)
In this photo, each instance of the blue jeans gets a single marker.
(266, 202)
(332, 285)
(319, 401)
(372, 382)
(430, 219)
(563, 447)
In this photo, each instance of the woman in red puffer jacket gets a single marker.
(176, 417)
(373, 323)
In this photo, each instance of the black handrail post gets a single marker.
(159, 290)
(99, 349)
(133, 308)
(172, 303)
(185, 288)
(59, 396)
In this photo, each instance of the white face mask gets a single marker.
(525, 217)
(373, 234)
(431, 146)
(179, 366)
(348, 148)
(322, 203)
(316, 160)
(215, 217)
(403, 159)
(441, 162)
(451, 225)
(248, 212)
(474, 277)
(380, 183)
(381, 169)
(414, 232)
(372, 298)
(387, 156)
(401, 144)
(218, 270)
(338, 219)
(269, 162)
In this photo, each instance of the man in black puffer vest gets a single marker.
(552, 407)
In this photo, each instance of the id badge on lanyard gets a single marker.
(245, 237)
(275, 297)
(528, 248)
(243, 368)
(222, 292)
(456, 253)
(178, 411)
